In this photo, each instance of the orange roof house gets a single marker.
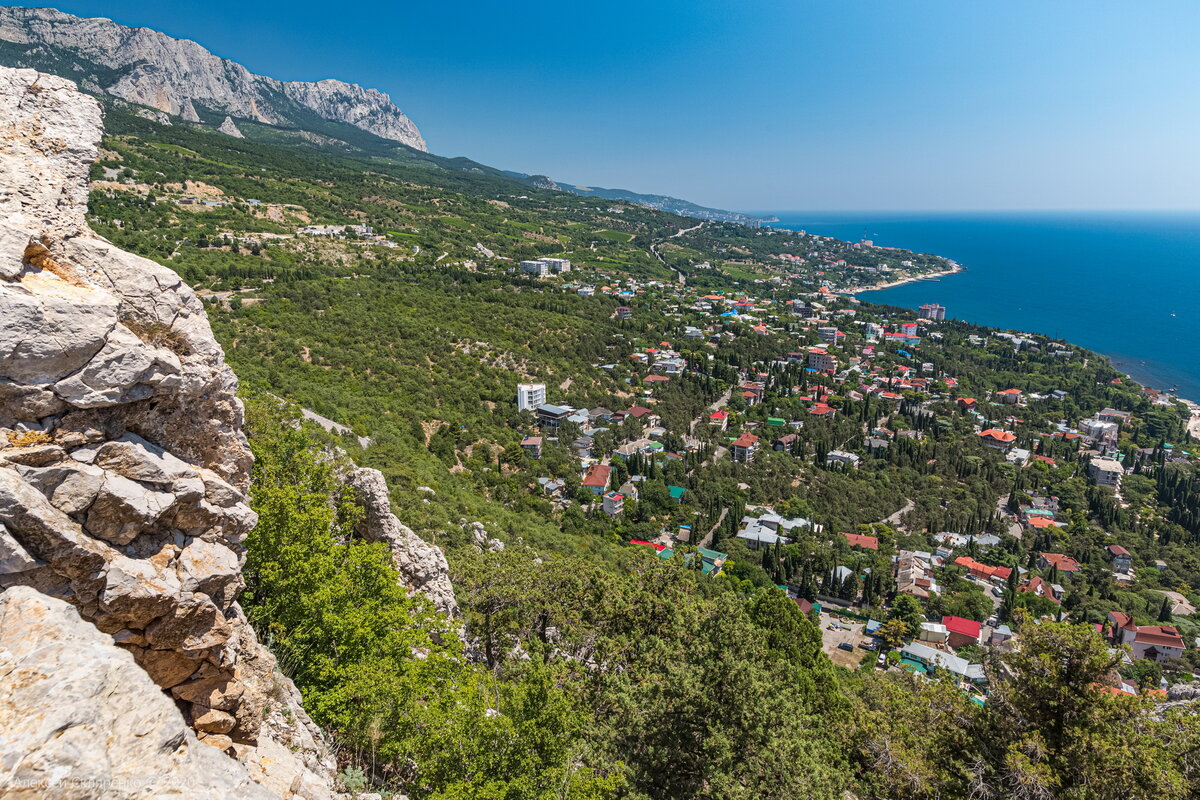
(1063, 562)
(998, 439)
(865, 542)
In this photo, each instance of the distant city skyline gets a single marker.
(769, 104)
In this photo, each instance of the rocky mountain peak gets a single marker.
(181, 78)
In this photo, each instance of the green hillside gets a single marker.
(383, 289)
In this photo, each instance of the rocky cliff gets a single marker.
(181, 78)
(123, 470)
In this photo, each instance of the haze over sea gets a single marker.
(1126, 284)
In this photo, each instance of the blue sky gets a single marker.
(765, 104)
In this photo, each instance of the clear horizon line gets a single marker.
(761, 212)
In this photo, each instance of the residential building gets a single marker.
(914, 573)
(1063, 562)
(842, 457)
(962, 631)
(785, 442)
(821, 361)
(1010, 396)
(859, 540)
(998, 439)
(933, 632)
(1096, 431)
(1040, 588)
(1106, 472)
(551, 416)
(933, 312)
(829, 335)
(743, 448)
(1001, 636)
(1122, 559)
(596, 478)
(624, 312)
(984, 572)
(719, 419)
(613, 504)
(766, 530)
(932, 660)
(532, 445)
(1156, 643)
(530, 396)
(1112, 415)
(539, 269)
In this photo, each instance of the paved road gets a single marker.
(708, 537)
(718, 405)
(1014, 527)
(894, 519)
(679, 276)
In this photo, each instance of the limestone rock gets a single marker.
(79, 720)
(13, 557)
(230, 128)
(123, 495)
(152, 69)
(421, 565)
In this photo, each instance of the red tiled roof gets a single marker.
(1121, 620)
(961, 625)
(998, 435)
(865, 542)
(746, 440)
(1064, 563)
(1159, 635)
(982, 570)
(597, 476)
(638, 411)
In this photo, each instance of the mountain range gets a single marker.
(178, 81)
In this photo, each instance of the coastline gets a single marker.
(953, 270)
(1193, 424)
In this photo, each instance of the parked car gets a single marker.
(868, 645)
(846, 646)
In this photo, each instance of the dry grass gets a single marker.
(29, 438)
(157, 334)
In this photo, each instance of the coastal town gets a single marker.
(845, 388)
(796, 378)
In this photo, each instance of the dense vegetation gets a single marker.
(591, 668)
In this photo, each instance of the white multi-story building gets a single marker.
(933, 312)
(557, 265)
(538, 269)
(530, 396)
(829, 335)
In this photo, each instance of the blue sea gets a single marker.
(1123, 284)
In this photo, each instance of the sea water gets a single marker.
(1124, 284)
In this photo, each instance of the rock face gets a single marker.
(67, 692)
(421, 565)
(122, 462)
(230, 128)
(177, 76)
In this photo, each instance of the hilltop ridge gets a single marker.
(180, 78)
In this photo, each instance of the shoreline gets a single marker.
(878, 287)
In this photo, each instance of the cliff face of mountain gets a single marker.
(123, 471)
(181, 78)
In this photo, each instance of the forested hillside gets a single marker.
(651, 639)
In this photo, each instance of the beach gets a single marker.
(956, 268)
